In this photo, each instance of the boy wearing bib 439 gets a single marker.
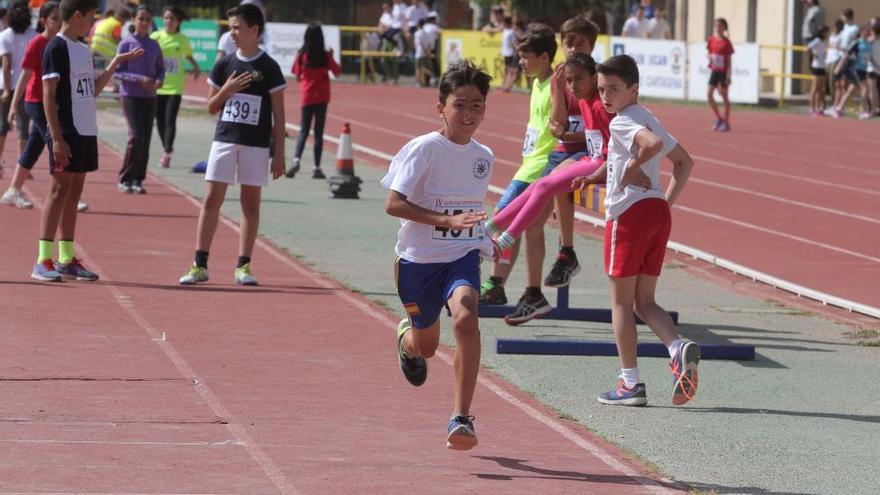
(247, 88)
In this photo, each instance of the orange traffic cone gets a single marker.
(344, 184)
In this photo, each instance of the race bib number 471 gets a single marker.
(242, 108)
(83, 85)
(452, 207)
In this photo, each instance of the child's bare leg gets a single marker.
(250, 219)
(466, 359)
(711, 99)
(723, 92)
(67, 226)
(19, 177)
(650, 312)
(421, 342)
(535, 248)
(502, 270)
(215, 193)
(623, 294)
(54, 205)
(564, 211)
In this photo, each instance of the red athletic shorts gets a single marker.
(635, 242)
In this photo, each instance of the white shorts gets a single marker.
(238, 164)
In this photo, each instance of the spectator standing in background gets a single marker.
(647, 5)
(508, 54)
(832, 57)
(660, 29)
(818, 49)
(13, 42)
(416, 11)
(814, 18)
(496, 20)
(636, 26)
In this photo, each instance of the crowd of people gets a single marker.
(844, 60)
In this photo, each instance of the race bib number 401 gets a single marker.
(452, 207)
(242, 108)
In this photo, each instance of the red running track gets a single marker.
(795, 197)
(136, 385)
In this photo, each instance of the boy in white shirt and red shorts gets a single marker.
(637, 228)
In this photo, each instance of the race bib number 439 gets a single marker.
(452, 207)
(242, 108)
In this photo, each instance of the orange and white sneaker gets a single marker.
(684, 373)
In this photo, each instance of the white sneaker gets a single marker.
(82, 206)
(8, 197)
(17, 199)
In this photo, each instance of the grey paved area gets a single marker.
(802, 418)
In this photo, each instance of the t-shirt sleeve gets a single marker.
(669, 142)
(31, 59)
(186, 46)
(275, 79)
(55, 61)
(625, 128)
(218, 74)
(6, 42)
(407, 169)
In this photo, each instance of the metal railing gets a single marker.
(785, 75)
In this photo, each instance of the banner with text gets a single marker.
(285, 40)
(745, 76)
(202, 34)
(661, 65)
(484, 50)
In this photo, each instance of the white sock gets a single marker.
(505, 240)
(630, 376)
(674, 346)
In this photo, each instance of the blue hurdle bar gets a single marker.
(599, 348)
(561, 311)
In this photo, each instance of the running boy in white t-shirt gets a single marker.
(437, 186)
(636, 230)
(247, 89)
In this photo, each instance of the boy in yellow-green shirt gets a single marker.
(536, 50)
(175, 49)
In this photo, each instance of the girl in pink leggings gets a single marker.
(512, 221)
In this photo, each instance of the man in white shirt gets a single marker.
(416, 11)
(660, 29)
(636, 26)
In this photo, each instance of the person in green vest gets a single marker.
(106, 36)
(175, 49)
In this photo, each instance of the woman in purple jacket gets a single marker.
(140, 78)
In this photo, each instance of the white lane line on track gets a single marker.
(211, 399)
(598, 451)
(225, 443)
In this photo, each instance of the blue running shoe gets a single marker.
(415, 370)
(622, 396)
(685, 377)
(75, 271)
(44, 271)
(462, 435)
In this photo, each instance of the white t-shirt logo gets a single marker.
(481, 168)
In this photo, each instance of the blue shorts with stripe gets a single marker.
(424, 288)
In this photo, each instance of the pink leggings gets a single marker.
(523, 211)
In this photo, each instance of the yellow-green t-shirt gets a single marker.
(539, 142)
(175, 49)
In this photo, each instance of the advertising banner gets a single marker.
(745, 75)
(286, 39)
(661, 65)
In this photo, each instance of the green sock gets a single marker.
(45, 250)
(65, 252)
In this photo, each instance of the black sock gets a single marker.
(243, 260)
(533, 292)
(202, 259)
(568, 251)
(498, 281)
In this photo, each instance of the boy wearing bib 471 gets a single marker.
(247, 88)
